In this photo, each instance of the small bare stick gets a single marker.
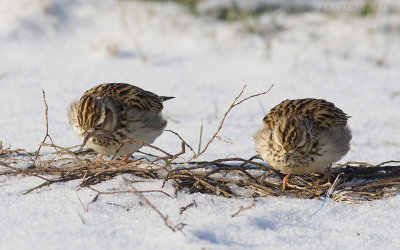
(47, 128)
(219, 127)
(46, 183)
(168, 163)
(358, 163)
(118, 205)
(214, 162)
(249, 97)
(19, 171)
(183, 209)
(171, 226)
(86, 209)
(243, 209)
(233, 104)
(18, 151)
(59, 147)
(168, 155)
(175, 133)
(95, 198)
(130, 191)
(200, 137)
(213, 188)
(226, 141)
(385, 162)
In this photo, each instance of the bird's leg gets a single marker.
(100, 157)
(327, 176)
(126, 158)
(285, 181)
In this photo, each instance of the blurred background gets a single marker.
(203, 52)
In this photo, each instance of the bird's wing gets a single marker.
(129, 95)
(322, 113)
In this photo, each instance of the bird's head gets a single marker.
(95, 114)
(291, 136)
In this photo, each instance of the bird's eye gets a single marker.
(98, 126)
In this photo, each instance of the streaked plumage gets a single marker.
(109, 113)
(303, 136)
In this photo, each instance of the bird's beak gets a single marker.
(287, 157)
(86, 137)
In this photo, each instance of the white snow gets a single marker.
(65, 47)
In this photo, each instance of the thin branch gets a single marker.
(168, 155)
(44, 184)
(219, 127)
(192, 204)
(19, 171)
(249, 97)
(86, 209)
(130, 191)
(170, 225)
(18, 150)
(243, 209)
(386, 162)
(59, 147)
(200, 137)
(175, 133)
(357, 162)
(47, 128)
(118, 205)
(233, 104)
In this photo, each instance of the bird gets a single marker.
(303, 136)
(109, 113)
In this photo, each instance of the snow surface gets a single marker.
(66, 47)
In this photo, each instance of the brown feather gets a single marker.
(132, 96)
(321, 113)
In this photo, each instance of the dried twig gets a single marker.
(249, 97)
(386, 162)
(183, 209)
(118, 205)
(168, 155)
(175, 133)
(47, 128)
(19, 171)
(233, 104)
(356, 163)
(59, 147)
(86, 209)
(243, 209)
(130, 191)
(18, 152)
(44, 184)
(173, 227)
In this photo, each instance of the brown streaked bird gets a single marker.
(303, 136)
(112, 112)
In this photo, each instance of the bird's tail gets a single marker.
(166, 98)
